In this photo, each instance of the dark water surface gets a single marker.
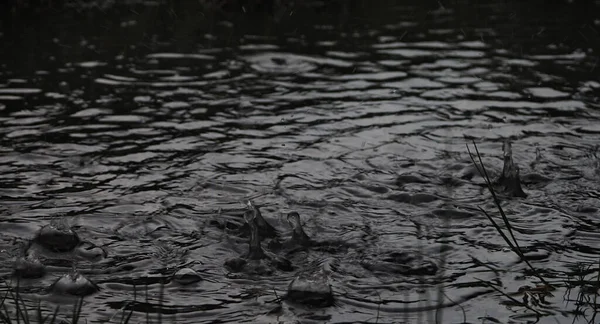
(137, 123)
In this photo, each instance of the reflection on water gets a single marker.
(147, 132)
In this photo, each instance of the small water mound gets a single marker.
(311, 286)
(57, 238)
(282, 63)
(186, 276)
(74, 284)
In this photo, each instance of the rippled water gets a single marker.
(141, 125)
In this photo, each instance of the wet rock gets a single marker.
(29, 267)
(57, 239)
(186, 276)
(509, 180)
(404, 263)
(74, 284)
(311, 287)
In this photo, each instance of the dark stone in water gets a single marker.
(74, 284)
(186, 276)
(401, 263)
(311, 287)
(57, 239)
(509, 179)
(29, 267)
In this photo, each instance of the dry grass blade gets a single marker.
(464, 313)
(125, 320)
(593, 319)
(509, 297)
(77, 310)
(515, 247)
(38, 310)
(22, 311)
(488, 182)
(55, 314)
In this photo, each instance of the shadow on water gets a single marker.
(144, 127)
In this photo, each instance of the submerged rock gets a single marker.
(403, 263)
(311, 287)
(186, 276)
(509, 179)
(57, 239)
(29, 267)
(74, 284)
